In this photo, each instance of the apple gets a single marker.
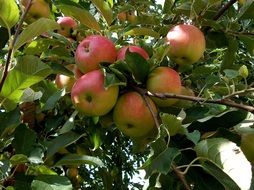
(65, 82)
(132, 115)
(247, 146)
(38, 9)
(187, 44)
(185, 103)
(94, 50)
(67, 25)
(90, 97)
(164, 80)
(131, 17)
(122, 16)
(134, 49)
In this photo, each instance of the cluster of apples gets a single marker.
(131, 113)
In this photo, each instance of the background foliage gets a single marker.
(46, 143)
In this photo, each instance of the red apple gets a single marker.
(164, 80)
(187, 44)
(67, 25)
(94, 50)
(90, 97)
(132, 115)
(121, 52)
(64, 81)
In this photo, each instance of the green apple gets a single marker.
(90, 97)
(187, 44)
(132, 115)
(164, 80)
(185, 103)
(131, 17)
(38, 9)
(92, 51)
(247, 146)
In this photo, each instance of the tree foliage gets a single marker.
(46, 143)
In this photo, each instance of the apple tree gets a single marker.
(93, 92)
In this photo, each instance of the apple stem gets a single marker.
(10, 51)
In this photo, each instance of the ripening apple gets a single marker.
(90, 97)
(122, 16)
(187, 44)
(133, 49)
(132, 115)
(65, 82)
(94, 50)
(38, 9)
(247, 146)
(67, 25)
(164, 80)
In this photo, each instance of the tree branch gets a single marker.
(10, 51)
(200, 100)
(223, 9)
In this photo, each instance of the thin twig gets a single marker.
(181, 177)
(223, 9)
(10, 51)
(239, 93)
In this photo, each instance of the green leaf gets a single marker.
(168, 5)
(28, 71)
(221, 176)
(162, 163)
(230, 56)
(9, 121)
(81, 15)
(172, 124)
(104, 9)
(61, 141)
(40, 170)
(193, 136)
(229, 158)
(112, 80)
(24, 140)
(51, 182)
(9, 13)
(69, 124)
(4, 37)
(230, 73)
(52, 100)
(246, 11)
(75, 159)
(212, 123)
(35, 29)
(138, 65)
(248, 42)
(142, 32)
